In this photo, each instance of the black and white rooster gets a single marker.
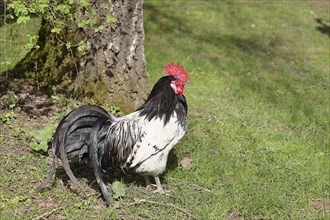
(140, 141)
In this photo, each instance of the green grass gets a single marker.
(14, 39)
(259, 104)
(258, 131)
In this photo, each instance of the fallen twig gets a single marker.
(199, 188)
(45, 215)
(185, 211)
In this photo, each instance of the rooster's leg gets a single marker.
(159, 186)
(148, 184)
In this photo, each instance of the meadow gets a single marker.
(257, 145)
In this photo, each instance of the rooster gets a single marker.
(140, 141)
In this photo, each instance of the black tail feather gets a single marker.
(94, 162)
(71, 138)
(50, 175)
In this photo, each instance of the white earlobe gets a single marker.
(174, 86)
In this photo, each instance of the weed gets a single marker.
(8, 101)
(38, 139)
(115, 110)
(7, 117)
(118, 189)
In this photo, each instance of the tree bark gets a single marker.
(111, 69)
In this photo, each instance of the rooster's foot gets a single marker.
(160, 189)
(149, 188)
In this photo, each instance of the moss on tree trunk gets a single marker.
(110, 70)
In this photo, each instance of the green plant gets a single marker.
(115, 110)
(8, 101)
(118, 190)
(38, 139)
(7, 117)
(18, 132)
(58, 14)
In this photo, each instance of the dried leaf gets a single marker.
(186, 162)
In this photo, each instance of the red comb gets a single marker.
(177, 71)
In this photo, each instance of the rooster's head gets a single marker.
(180, 77)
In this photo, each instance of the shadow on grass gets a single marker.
(163, 22)
(167, 22)
(262, 64)
(324, 26)
(82, 170)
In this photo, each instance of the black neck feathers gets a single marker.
(162, 101)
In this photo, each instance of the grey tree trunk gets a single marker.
(111, 69)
